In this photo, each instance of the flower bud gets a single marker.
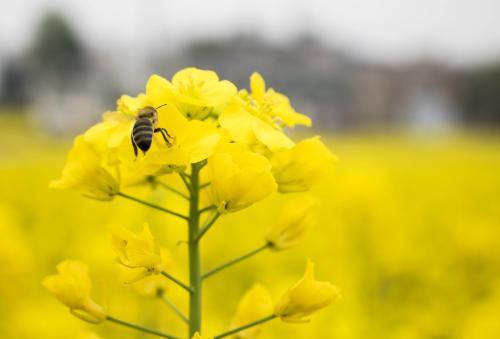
(254, 305)
(85, 171)
(299, 168)
(296, 219)
(239, 178)
(72, 287)
(139, 252)
(305, 297)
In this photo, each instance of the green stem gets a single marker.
(202, 186)
(177, 281)
(173, 190)
(235, 261)
(207, 225)
(174, 308)
(185, 179)
(239, 329)
(208, 208)
(140, 328)
(194, 253)
(152, 205)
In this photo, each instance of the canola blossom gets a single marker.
(255, 304)
(295, 220)
(138, 252)
(228, 150)
(299, 168)
(72, 287)
(305, 297)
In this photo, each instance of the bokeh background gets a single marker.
(406, 94)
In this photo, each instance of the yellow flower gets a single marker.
(151, 286)
(244, 127)
(255, 305)
(299, 168)
(191, 141)
(86, 171)
(295, 220)
(198, 336)
(196, 93)
(239, 178)
(140, 252)
(273, 105)
(72, 287)
(305, 297)
(154, 285)
(258, 117)
(131, 105)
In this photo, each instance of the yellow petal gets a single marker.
(257, 86)
(296, 219)
(158, 91)
(254, 305)
(305, 297)
(299, 168)
(85, 171)
(239, 178)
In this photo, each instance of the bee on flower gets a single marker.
(228, 149)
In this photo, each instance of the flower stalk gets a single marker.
(140, 328)
(159, 208)
(235, 261)
(244, 327)
(174, 307)
(176, 281)
(210, 222)
(194, 252)
(173, 190)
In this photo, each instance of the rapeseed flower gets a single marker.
(154, 285)
(230, 150)
(139, 252)
(72, 287)
(271, 105)
(196, 93)
(295, 220)
(305, 297)
(255, 304)
(239, 178)
(299, 168)
(243, 127)
(191, 141)
(86, 171)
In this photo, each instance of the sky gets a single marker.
(458, 31)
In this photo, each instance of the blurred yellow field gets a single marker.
(409, 230)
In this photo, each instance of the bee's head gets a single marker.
(148, 113)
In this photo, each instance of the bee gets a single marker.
(144, 127)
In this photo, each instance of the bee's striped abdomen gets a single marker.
(142, 133)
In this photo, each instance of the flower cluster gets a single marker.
(240, 133)
(230, 149)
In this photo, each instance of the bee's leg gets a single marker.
(134, 145)
(164, 134)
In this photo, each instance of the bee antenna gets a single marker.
(161, 106)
